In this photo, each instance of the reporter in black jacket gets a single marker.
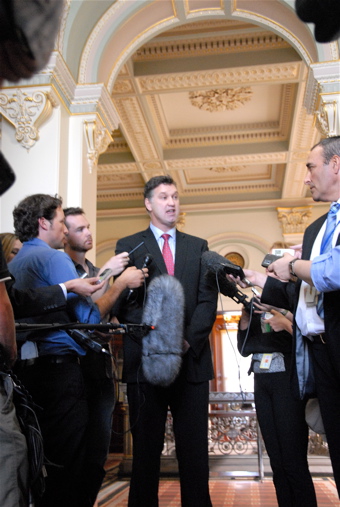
(281, 416)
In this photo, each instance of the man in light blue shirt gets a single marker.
(49, 359)
(316, 300)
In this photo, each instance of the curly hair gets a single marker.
(155, 182)
(28, 212)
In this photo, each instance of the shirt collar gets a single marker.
(158, 232)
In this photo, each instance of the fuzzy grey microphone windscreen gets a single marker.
(163, 346)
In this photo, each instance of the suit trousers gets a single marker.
(285, 433)
(148, 405)
(328, 392)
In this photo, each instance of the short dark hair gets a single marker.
(330, 146)
(73, 211)
(155, 182)
(29, 210)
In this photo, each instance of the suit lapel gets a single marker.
(152, 247)
(181, 254)
(310, 235)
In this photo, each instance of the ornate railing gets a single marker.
(233, 431)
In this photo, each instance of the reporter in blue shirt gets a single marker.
(49, 360)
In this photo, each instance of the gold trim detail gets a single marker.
(227, 99)
(26, 113)
(235, 258)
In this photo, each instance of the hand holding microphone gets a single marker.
(144, 271)
(118, 263)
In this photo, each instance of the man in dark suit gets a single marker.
(188, 395)
(316, 331)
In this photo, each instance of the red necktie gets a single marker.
(167, 255)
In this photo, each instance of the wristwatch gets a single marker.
(291, 268)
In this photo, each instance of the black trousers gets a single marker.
(58, 389)
(328, 392)
(101, 401)
(148, 406)
(285, 433)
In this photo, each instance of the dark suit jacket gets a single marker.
(274, 288)
(200, 302)
(28, 303)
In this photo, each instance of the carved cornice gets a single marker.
(294, 220)
(26, 111)
(275, 27)
(207, 207)
(236, 43)
(78, 99)
(241, 75)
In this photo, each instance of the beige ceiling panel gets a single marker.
(226, 174)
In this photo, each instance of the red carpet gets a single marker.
(224, 493)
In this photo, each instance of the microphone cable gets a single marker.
(251, 305)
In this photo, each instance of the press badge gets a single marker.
(311, 296)
(266, 361)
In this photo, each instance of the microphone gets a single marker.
(147, 261)
(85, 340)
(216, 268)
(213, 261)
(162, 347)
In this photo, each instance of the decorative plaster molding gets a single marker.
(97, 140)
(26, 112)
(226, 99)
(232, 160)
(224, 169)
(295, 42)
(137, 130)
(203, 208)
(294, 220)
(327, 118)
(78, 99)
(239, 75)
(236, 43)
(123, 86)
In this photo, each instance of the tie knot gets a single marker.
(166, 237)
(334, 208)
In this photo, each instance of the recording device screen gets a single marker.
(269, 258)
(104, 275)
(277, 254)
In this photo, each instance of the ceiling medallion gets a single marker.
(221, 100)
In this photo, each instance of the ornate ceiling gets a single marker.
(218, 105)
